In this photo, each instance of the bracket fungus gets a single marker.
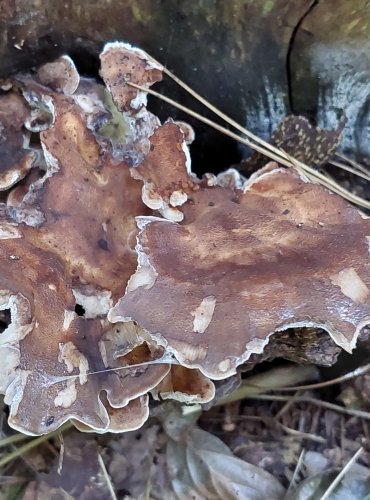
(186, 386)
(122, 63)
(227, 285)
(67, 251)
(60, 75)
(125, 275)
(165, 172)
(17, 158)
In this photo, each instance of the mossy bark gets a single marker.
(234, 53)
(255, 59)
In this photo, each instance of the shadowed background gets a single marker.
(257, 60)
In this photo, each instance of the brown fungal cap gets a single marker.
(66, 253)
(244, 265)
(122, 63)
(16, 156)
(56, 367)
(165, 172)
(129, 418)
(186, 386)
(60, 75)
(86, 201)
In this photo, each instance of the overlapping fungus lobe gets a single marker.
(121, 63)
(230, 262)
(223, 254)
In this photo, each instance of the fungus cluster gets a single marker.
(125, 275)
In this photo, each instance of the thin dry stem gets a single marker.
(360, 371)
(342, 473)
(352, 170)
(302, 435)
(107, 478)
(295, 473)
(267, 149)
(354, 164)
(316, 402)
(15, 438)
(287, 405)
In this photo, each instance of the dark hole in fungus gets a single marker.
(5, 319)
(103, 244)
(79, 310)
(49, 421)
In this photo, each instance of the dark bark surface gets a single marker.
(234, 53)
(256, 60)
(330, 69)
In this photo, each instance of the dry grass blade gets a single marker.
(295, 473)
(316, 402)
(352, 170)
(15, 438)
(358, 372)
(31, 444)
(262, 147)
(342, 473)
(272, 379)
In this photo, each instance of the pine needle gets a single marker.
(261, 146)
(354, 163)
(357, 170)
(352, 170)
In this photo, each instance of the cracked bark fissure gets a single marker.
(289, 53)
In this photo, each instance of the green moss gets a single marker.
(267, 7)
(140, 14)
(116, 128)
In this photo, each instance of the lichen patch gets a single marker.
(351, 285)
(66, 397)
(73, 358)
(203, 314)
